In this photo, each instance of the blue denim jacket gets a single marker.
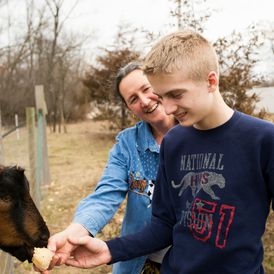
(131, 169)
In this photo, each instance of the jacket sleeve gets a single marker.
(156, 235)
(96, 210)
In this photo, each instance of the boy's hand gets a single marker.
(88, 252)
(61, 247)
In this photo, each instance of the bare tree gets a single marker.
(39, 56)
(188, 16)
(12, 57)
(55, 7)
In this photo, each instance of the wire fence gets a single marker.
(24, 145)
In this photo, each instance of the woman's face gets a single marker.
(140, 99)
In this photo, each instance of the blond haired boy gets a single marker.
(215, 182)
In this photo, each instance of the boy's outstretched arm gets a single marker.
(88, 253)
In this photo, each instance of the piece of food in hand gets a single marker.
(42, 257)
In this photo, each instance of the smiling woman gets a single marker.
(141, 100)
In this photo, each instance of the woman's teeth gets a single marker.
(150, 110)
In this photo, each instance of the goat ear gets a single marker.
(20, 169)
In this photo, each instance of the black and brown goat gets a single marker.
(21, 225)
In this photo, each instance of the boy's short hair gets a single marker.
(182, 50)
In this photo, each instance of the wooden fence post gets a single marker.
(17, 127)
(6, 261)
(30, 122)
(42, 163)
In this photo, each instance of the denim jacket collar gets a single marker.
(147, 141)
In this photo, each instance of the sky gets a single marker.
(154, 15)
(101, 18)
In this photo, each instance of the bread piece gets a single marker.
(41, 258)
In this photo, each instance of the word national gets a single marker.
(202, 161)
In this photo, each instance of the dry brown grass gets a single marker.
(76, 161)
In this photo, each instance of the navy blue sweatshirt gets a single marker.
(211, 201)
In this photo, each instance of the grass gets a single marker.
(77, 160)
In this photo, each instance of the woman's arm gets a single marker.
(97, 209)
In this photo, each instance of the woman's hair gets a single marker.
(122, 73)
(182, 50)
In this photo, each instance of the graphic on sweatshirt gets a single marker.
(199, 161)
(203, 174)
(200, 181)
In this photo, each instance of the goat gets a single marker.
(21, 225)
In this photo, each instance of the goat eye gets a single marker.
(5, 205)
(5, 198)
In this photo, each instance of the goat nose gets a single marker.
(44, 237)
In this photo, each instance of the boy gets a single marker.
(215, 182)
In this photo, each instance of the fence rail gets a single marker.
(13, 129)
(33, 148)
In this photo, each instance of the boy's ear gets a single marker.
(213, 81)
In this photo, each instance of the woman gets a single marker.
(131, 170)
